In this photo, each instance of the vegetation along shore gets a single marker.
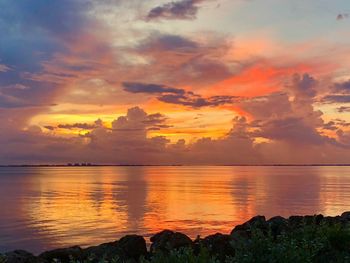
(295, 239)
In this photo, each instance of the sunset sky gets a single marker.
(175, 82)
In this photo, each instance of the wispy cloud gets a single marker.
(342, 16)
(339, 98)
(339, 93)
(178, 96)
(137, 87)
(4, 68)
(343, 109)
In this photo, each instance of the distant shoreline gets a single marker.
(160, 165)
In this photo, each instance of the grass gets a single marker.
(306, 244)
(183, 255)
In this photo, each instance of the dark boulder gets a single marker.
(106, 251)
(168, 240)
(258, 222)
(64, 255)
(133, 246)
(244, 231)
(345, 216)
(240, 233)
(219, 244)
(277, 225)
(128, 247)
(19, 256)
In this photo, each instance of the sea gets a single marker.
(43, 208)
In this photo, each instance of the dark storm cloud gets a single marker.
(84, 126)
(343, 87)
(339, 98)
(137, 87)
(196, 101)
(178, 96)
(339, 93)
(184, 9)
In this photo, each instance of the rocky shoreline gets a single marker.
(132, 248)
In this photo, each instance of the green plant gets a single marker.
(306, 243)
(183, 255)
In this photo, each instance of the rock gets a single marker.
(168, 240)
(133, 246)
(219, 245)
(240, 233)
(277, 225)
(244, 231)
(346, 216)
(257, 222)
(20, 256)
(64, 255)
(106, 251)
(295, 221)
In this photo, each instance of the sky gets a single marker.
(196, 82)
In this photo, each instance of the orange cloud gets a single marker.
(260, 79)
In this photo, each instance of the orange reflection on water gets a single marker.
(55, 207)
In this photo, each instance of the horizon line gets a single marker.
(116, 165)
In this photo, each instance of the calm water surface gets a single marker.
(44, 208)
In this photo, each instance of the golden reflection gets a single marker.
(335, 190)
(66, 206)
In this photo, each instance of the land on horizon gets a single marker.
(92, 165)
